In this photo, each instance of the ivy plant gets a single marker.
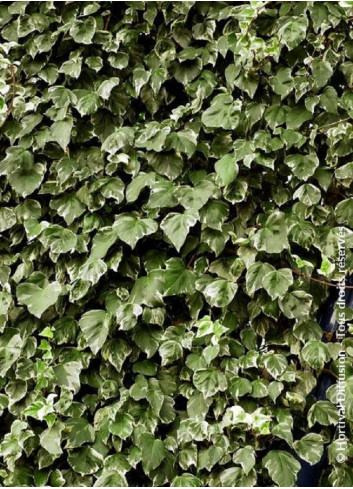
(176, 181)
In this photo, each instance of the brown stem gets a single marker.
(189, 263)
(322, 282)
(106, 24)
(334, 123)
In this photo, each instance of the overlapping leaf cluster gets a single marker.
(170, 174)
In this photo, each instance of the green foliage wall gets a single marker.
(172, 173)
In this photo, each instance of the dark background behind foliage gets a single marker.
(175, 177)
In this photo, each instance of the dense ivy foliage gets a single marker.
(172, 174)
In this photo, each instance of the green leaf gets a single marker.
(116, 351)
(307, 330)
(177, 278)
(87, 103)
(7, 218)
(302, 166)
(345, 173)
(308, 194)
(68, 375)
(220, 292)
(61, 132)
(310, 448)
(122, 426)
(167, 164)
(162, 195)
(235, 477)
(85, 461)
(227, 169)
(324, 413)
(277, 282)
(82, 31)
(208, 457)
(78, 432)
(214, 213)
(25, 180)
(148, 290)
(184, 141)
(282, 467)
(112, 188)
(206, 327)
(95, 328)
(224, 112)
(50, 439)
(92, 270)
(273, 237)
(344, 212)
(102, 241)
(255, 274)
(130, 228)
(197, 406)
(321, 71)
(315, 354)
(68, 206)
(275, 364)
(153, 452)
(58, 239)
(293, 31)
(10, 352)
(246, 458)
(296, 304)
(209, 381)
(282, 83)
(170, 351)
(106, 87)
(186, 480)
(139, 78)
(38, 298)
(240, 387)
(193, 198)
(118, 139)
(111, 478)
(176, 226)
(247, 82)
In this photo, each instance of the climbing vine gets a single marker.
(176, 178)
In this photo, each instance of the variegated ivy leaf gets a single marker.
(153, 451)
(130, 228)
(315, 354)
(177, 278)
(95, 327)
(296, 304)
(209, 381)
(275, 364)
(302, 166)
(38, 294)
(255, 274)
(223, 112)
(176, 226)
(273, 236)
(282, 467)
(235, 477)
(220, 292)
(277, 282)
(310, 448)
(246, 458)
(323, 413)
